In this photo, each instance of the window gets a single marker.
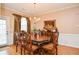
(23, 24)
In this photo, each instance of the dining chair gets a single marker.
(27, 44)
(20, 41)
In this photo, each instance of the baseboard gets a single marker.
(1, 46)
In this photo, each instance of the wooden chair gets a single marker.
(54, 36)
(52, 47)
(17, 41)
(20, 41)
(27, 44)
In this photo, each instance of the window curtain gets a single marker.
(28, 25)
(17, 25)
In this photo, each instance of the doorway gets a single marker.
(3, 32)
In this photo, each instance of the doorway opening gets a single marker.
(3, 32)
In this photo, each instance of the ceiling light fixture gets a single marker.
(35, 17)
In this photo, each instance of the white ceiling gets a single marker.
(40, 8)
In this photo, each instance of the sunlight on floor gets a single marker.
(3, 52)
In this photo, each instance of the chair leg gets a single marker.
(24, 51)
(16, 48)
(21, 50)
(56, 51)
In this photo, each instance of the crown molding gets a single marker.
(58, 10)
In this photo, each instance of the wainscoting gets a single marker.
(71, 40)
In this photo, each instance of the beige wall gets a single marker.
(67, 20)
(0, 9)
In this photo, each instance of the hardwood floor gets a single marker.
(65, 50)
(62, 50)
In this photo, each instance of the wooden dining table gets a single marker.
(39, 41)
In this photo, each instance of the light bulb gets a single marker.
(34, 17)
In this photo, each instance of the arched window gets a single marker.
(23, 24)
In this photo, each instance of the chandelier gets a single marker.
(35, 17)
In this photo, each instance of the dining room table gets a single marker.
(39, 41)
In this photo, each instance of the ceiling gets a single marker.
(32, 9)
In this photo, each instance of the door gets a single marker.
(3, 33)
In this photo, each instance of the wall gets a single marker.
(0, 9)
(67, 22)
